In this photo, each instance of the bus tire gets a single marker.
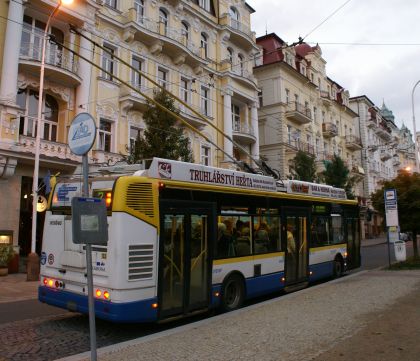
(338, 268)
(233, 293)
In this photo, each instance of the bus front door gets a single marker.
(296, 236)
(353, 243)
(184, 267)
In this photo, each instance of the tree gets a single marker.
(337, 175)
(304, 167)
(163, 137)
(408, 196)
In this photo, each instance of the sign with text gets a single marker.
(82, 134)
(391, 207)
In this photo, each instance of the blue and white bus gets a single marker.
(185, 238)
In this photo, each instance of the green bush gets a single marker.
(6, 254)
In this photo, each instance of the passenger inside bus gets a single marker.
(291, 244)
(261, 238)
(225, 247)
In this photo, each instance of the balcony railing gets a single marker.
(243, 129)
(237, 25)
(296, 145)
(353, 142)
(299, 113)
(171, 33)
(329, 130)
(53, 55)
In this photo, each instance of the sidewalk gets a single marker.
(307, 325)
(373, 241)
(14, 287)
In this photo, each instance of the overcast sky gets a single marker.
(386, 72)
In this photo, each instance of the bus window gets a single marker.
(266, 234)
(320, 231)
(236, 232)
(337, 228)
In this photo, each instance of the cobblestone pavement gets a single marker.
(53, 337)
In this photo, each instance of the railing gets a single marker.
(237, 25)
(302, 146)
(324, 94)
(329, 128)
(48, 148)
(243, 128)
(171, 33)
(300, 108)
(353, 139)
(53, 55)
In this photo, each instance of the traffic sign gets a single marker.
(82, 134)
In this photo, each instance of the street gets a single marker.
(34, 331)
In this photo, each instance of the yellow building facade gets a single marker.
(200, 50)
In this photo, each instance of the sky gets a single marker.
(381, 72)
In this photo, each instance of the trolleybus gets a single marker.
(186, 238)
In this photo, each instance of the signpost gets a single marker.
(89, 223)
(391, 216)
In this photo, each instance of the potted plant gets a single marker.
(6, 255)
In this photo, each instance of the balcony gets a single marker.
(59, 65)
(373, 169)
(353, 143)
(396, 162)
(329, 130)
(102, 157)
(385, 155)
(240, 33)
(133, 99)
(243, 133)
(293, 146)
(357, 170)
(161, 38)
(299, 113)
(49, 149)
(192, 118)
(325, 97)
(383, 131)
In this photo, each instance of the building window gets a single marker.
(139, 7)
(184, 93)
(234, 18)
(205, 4)
(108, 62)
(111, 3)
(230, 55)
(315, 111)
(204, 45)
(136, 78)
(287, 96)
(205, 101)
(163, 22)
(241, 63)
(289, 134)
(205, 155)
(105, 135)
(261, 98)
(163, 78)
(135, 134)
(236, 118)
(185, 33)
(28, 100)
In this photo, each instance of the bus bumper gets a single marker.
(138, 311)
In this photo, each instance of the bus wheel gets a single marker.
(233, 293)
(338, 268)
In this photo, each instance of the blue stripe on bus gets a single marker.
(257, 286)
(138, 311)
(321, 271)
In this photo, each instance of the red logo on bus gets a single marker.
(165, 170)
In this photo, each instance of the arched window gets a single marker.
(204, 45)
(230, 55)
(234, 18)
(28, 99)
(163, 21)
(185, 32)
(139, 7)
(241, 63)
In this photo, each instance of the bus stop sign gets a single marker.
(89, 221)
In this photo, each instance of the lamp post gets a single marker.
(416, 146)
(33, 259)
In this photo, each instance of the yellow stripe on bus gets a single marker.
(219, 262)
(324, 248)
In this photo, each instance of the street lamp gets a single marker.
(33, 259)
(416, 146)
